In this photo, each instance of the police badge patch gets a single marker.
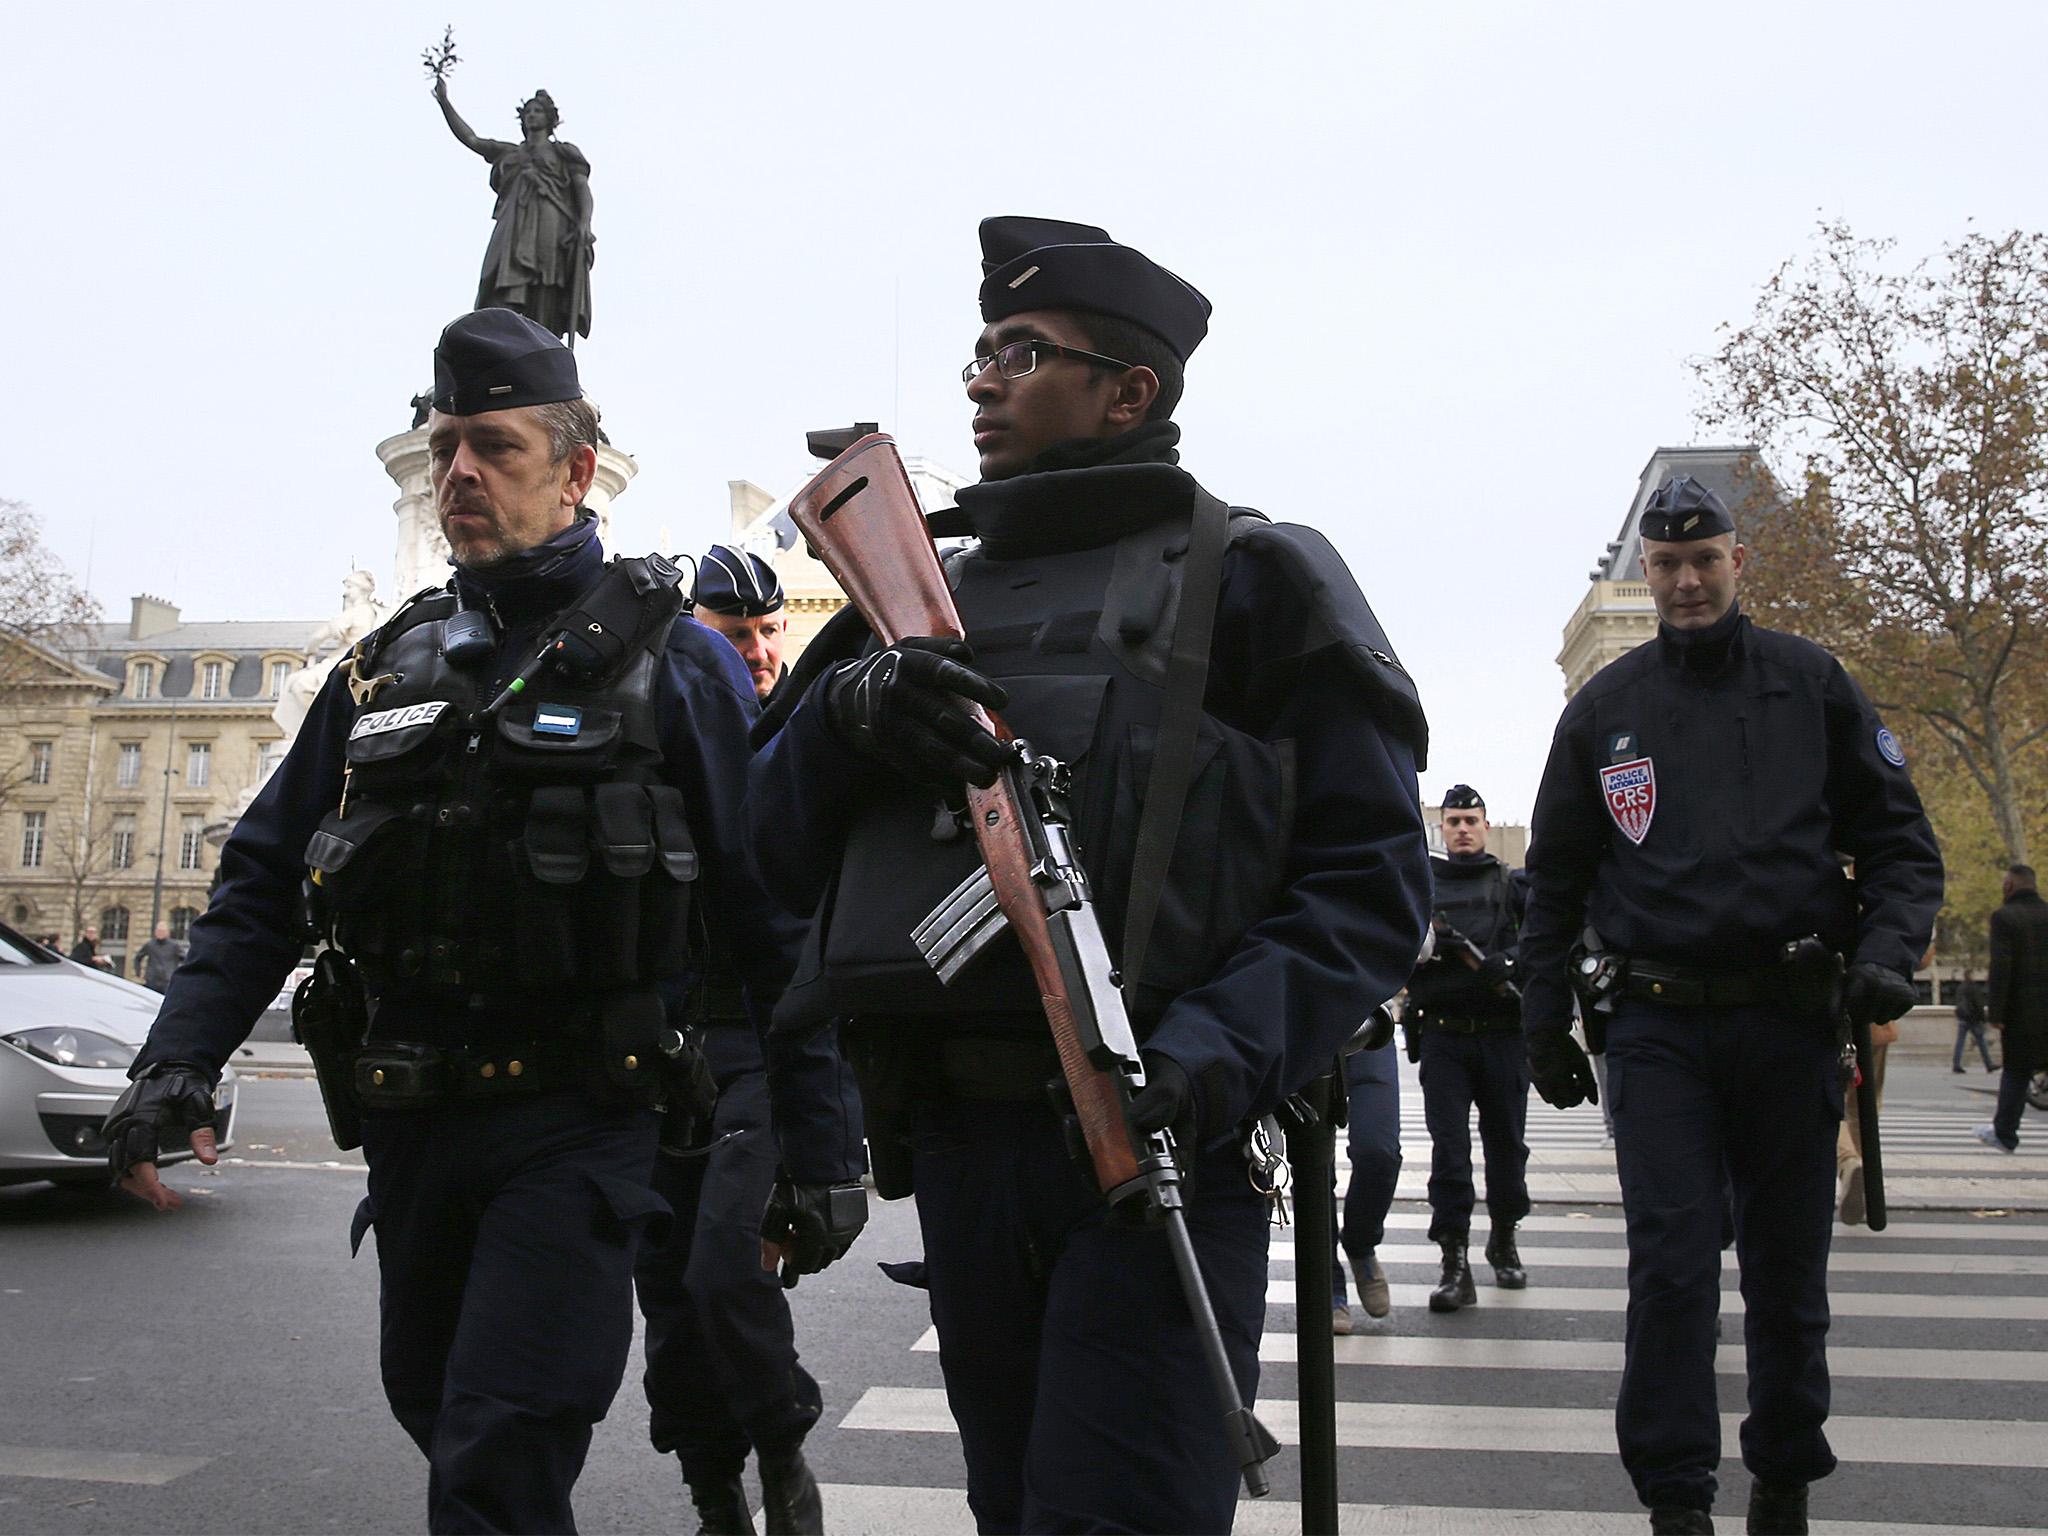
(1888, 744)
(1630, 790)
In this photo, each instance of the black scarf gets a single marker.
(1077, 494)
(1703, 654)
(538, 582)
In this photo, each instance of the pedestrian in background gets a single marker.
(1970, 1021)
(158, 958)
(2018, 1001)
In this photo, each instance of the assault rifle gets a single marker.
(1469, 954)
(862, 521)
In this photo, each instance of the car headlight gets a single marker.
(68, 1047)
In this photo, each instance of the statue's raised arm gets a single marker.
(465, 135)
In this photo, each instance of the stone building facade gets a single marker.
(121, 756)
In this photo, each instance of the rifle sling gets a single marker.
(1180, 718)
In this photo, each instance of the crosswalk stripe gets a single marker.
(1278, 1347)
(1841, 1262)
(1952, 1192)
(870, 1509)
(1469, 1427)
(1546, 1298)
(138, 1468)
(1975, 1230)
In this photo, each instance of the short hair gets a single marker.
(570, 424)
(2022, 876)
(1129, 342)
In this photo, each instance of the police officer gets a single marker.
(723, 1377)
(1297, 885)
(739, 595)
(509, 872)
(1466, 1018)
(1372, 1088)
(1698, 794)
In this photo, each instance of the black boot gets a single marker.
(1679, 1520)
(790, 1502)
(1454, 1290)
(1508, 1273)
(721, 1501)
(1777, 1509)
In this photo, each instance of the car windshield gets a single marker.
(15, 950)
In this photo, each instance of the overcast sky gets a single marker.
(1459, 255)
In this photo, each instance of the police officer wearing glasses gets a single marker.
(1700, 797)
(517, 802)
(1295, 885)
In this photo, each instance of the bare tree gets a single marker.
(1910, 404)
(43, 612)
(83, 857)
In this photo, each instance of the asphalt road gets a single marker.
(215, 1370)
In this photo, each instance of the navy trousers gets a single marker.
(1372, 1086)
(1492, 1072)
(722, 1370)
(506, 1234)
(1709, 1100)
(2012, 1103)
(1070, 1359)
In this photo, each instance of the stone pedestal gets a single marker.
(421, 559)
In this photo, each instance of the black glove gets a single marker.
(1876, 994)
(814, 1224)
(162, 1108)
(1166, 1102)
(1560, 1070)
(1496, 970)
(904, 708)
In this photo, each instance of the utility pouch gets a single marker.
(329, 1018)
(630, 1061)
(1596, 976)
(1812, 981)
(394, 1075)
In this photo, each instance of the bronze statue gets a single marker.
(541, 251)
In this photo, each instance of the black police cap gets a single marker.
(1463, 797)
(1682, 510)
(494, 359)
(734, 582)
(1051, 264)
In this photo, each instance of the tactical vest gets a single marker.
(520, 864)
(1478, 905)
(1080, 642)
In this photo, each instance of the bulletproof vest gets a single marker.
(511, 863)
(1474, 901)
(1079, 640)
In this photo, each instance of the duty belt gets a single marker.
(400, 1074)
(991, 1067)
(1469, 1026)
(1684, 987)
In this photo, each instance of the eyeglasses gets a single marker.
(1020, 357)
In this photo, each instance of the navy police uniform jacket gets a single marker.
(250, 937)
(1701, 795)
(1268, 955)
(1483, 900)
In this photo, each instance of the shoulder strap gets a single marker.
(1180, 718)
(629, 607)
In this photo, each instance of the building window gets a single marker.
(209, 680)
(42, 756)
(191, 841)
(20, 915)
(181, 922)
(32, 829)
(142, 680)
(280, 673)
(113, 924)
(122, 846)
(198, 763)
(129, 772)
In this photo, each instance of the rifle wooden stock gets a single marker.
(862, 520)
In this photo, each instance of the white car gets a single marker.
(68, 1034)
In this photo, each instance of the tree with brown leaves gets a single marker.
(1910, 403)
(44, 613)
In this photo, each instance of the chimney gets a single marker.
(150, 616)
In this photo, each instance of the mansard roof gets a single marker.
(1735, 472)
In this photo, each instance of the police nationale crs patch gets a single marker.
(1630, 790)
